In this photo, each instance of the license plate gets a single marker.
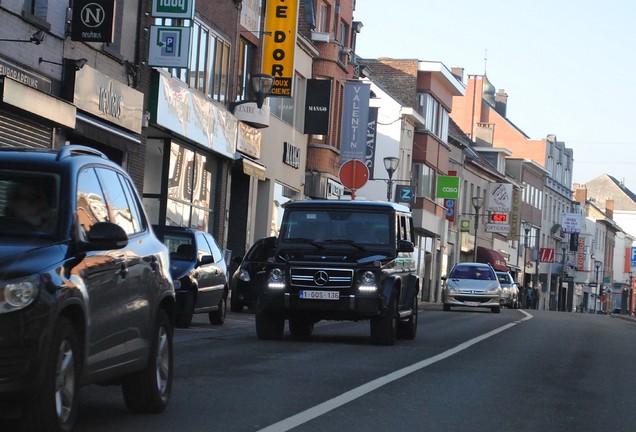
(468, 303)
(319, 295)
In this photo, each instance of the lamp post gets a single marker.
(261, 85)
(477, 202)
(390, 165)
(564, 248)
(597, 264)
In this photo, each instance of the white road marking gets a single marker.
(314, 412)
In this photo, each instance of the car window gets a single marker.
(203, 248)
(473, 272)
(261, 251)
(504, 278)
(216, 251)
(91, 203)
(118, 201)
(30, 200)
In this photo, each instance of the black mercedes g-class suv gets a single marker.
(341, 260)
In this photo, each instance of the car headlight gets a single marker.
(18, 293)
(452, 288)
(276, 278)
(244, 275)
(367, 282)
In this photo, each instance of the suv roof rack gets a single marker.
(75, 149)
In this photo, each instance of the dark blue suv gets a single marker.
(85, 291)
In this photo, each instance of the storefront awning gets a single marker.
(492, 257)
(254, 169)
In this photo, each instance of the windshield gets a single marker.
(473, 272)
(337, 226)
(28, 203)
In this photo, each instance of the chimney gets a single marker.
(609, 208)
(459, 73)
(580, 194)
(501, 102)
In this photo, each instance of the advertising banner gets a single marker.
(355, 114)
(372, 129)
(571, 223)
(318, 101)
(279, 46)
(448, 187)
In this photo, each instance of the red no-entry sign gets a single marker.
(354, 174)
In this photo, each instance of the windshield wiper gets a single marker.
(305, 240)
(346, 241)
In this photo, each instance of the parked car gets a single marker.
(509, 290)
(472, 285)
(243, 290)
(341, 260)
(85, 292)
(196, 261)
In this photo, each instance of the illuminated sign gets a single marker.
(499, 217)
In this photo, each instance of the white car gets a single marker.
(509, 290)
(472, 285)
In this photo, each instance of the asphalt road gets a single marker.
(467, 370)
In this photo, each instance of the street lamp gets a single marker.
(477, 202)
(390, 165)
(597, 264)
(261, 85)
(564, 248)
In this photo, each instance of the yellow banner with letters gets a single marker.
(279, 44)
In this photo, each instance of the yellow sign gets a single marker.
(279, 44)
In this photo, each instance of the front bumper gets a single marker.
(473, 300)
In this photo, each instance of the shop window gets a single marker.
(291, 110)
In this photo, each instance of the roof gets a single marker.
(347, 203)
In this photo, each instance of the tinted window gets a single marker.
(202, 246)
(91, 203)
(473, 272)
(216, 251)
(120, 212)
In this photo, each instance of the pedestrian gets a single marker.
(529, 298)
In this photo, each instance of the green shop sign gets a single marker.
(448, 187)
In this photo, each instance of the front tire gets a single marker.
(384, 329)
(148, 391)
(55, 408)
(496, 309)
(408, 330)
(218, 316)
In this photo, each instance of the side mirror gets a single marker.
(444, 278)
(405, 246)
(105, 236)
(205, 260)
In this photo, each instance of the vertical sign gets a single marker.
(169, 46)
(355, 115)
(278, 47)
(317, 106)
(93, 21)
(632, 262)
(451, 204)
(372, 129)
(580, 254)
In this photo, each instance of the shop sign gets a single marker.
(291, 155)
(334, 189)
(108, 99)
(355, 114)
(571, 223)
(448, 187)
(93, 21)
(28, 78)
(249, 140)
(580, 254)
(279, 47)
(190, 114)
(497, 228)
(500, 197)
(183, 9)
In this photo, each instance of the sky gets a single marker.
(567, 66)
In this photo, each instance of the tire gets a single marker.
(55, 409)
(185, 320)
(496, 309)
(218, 316)
(148, 391)
(269, 327)
(408, 330)
(301, 328)
(384, 329)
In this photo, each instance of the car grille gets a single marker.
(321, 277)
